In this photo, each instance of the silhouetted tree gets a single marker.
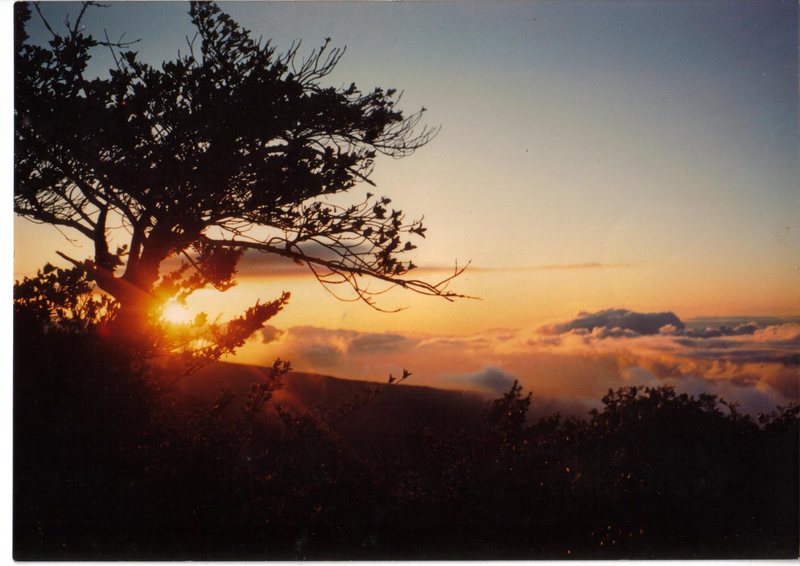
(59, 300)
(227, 148)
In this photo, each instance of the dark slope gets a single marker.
(365, 412)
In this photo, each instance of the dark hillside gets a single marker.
(366, 413)
(109, 464)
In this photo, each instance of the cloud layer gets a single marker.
(571, 364)
(618, 322)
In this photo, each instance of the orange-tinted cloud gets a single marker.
(571, 361)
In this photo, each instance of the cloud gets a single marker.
(591, 265)
(753, 364)
(347, 353)
(350, 341)
(747, 362)
(489, 339)
(547, 267)
(745, 344)
(711, 332)
(270, 334)
(618, 322)
(490, 379)
(324, 356)
(263, 265)
(371, 343)
(256, 264)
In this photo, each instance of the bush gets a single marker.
(109, 464)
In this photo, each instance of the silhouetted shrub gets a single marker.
(110, 463)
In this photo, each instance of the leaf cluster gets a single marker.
(61, 300)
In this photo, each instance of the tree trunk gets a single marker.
(134, 290)
(134, 316)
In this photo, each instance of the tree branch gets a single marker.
(349, 272)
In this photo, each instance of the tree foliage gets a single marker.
(60, 300)
(231, 146)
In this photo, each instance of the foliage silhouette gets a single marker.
(111, 463)
(60, 300)
(227, 148)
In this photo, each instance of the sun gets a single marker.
(176, 314)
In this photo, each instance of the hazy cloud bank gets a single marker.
(574, 362)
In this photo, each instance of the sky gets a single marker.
(592, 155)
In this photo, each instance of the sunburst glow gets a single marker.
(176, 314)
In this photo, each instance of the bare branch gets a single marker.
(349, 274)
(44, 20)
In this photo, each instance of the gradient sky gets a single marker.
(641, 155)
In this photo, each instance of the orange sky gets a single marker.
(602, 158)
(508, 297)
(654, 148)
